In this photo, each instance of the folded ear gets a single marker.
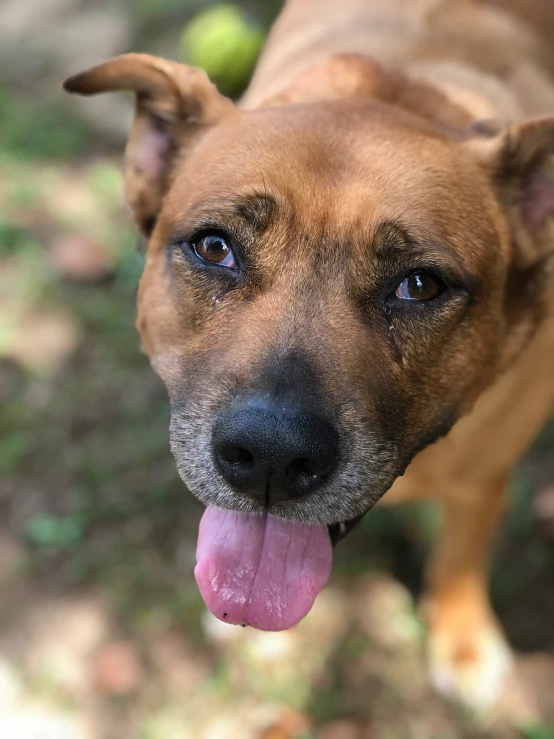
(175, 104)
(520, 165)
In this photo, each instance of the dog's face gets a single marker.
(316, 263)
(328, 287)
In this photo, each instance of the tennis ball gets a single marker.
(225, 42)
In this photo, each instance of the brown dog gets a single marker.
(348, 291)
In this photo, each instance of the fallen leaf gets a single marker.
(117, 669)
(81, 259)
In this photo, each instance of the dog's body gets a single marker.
(492, 57)
(338, 153)
(494, 60)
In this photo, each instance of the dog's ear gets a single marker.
(519, 163)
(360, 76)
(175, 104)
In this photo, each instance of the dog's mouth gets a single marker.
(338, 531)
(260, 570)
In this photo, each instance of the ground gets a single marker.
(102, 631)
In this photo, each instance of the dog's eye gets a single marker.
(215, 250)
(419, 286)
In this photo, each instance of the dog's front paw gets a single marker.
(469, 667)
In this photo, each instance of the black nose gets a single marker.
(263, 449)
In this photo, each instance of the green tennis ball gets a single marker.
(225, 43)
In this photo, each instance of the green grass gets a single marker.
(538, 731)
(30, 130)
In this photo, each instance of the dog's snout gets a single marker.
(263, 449)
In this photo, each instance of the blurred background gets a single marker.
(102, 631)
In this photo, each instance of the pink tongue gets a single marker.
(260, 570)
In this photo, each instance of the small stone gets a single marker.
(117, 669)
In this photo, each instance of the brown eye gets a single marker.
(215, 250)
(419, 286)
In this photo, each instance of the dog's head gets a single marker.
(331, 279)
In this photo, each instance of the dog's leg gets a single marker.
(468, 654)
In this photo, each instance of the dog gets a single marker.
(348, 293)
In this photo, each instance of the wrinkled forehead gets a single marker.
(341, 162)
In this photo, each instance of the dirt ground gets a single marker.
(103, 634)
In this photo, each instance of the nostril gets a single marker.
(236, 455)
(307, 466)
(259, 447)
